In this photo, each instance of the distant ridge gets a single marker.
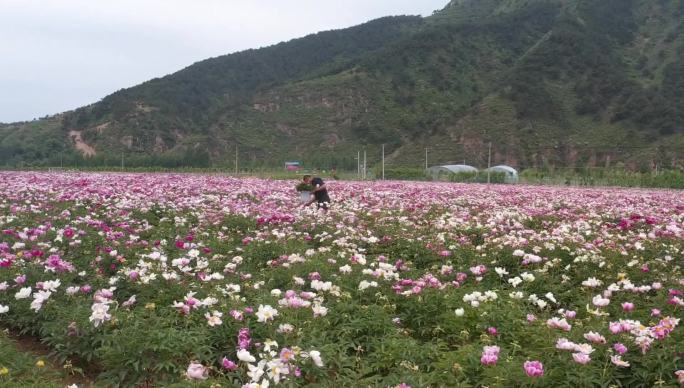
(555, 82)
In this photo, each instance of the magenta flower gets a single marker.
(620, 348)
(534, 368)
(228, 364)
(244, 340)
(492, 331)
(627, 306)
(489, 359)
(490, 355)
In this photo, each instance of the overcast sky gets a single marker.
(57, 55)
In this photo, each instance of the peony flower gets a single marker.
(564, 344)
(489, 359)
(214, 319)
(620, 348)
(99, 313)
(275, 368)
(459, 312)
(3, 309)
(316, 357)
(245, 356)
(600, 301)
(557, 323)
(581, 358)
(490, 355)
(319, 311)
(266, 313)
(196, 371)
(23, 293)
(534, 368)
(285, 328)
(680, 376)
(627, 306)
(595, 337)
(228, 364)
(617, 360)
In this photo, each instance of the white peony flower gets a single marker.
(266, 313)
(245, 355)
(23, 293)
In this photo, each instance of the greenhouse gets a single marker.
(443, 172)
(510, 174)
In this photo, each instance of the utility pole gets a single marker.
(358, 164)
(383, 162)
(489, 161)
(365, 166)
(236, 159)
(426, 161)
(122, 161)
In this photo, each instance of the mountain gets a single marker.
(557, 83)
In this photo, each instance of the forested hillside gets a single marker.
(547, 82)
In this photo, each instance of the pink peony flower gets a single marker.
(556, 323)
(534, 368)
(595, 337)
(244, 340)
(680, 376)
(228, 364)
(489, 359)
(627, 306)
(581, 358)
(490, 355)
(620, 348)
(196, 372)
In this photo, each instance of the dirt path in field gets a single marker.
(32, 345)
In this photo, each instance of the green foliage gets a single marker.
(401, 173)
(303, 187)
(21, 369)
(673, 179)
(567, 69)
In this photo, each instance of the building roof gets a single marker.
(503, 168)
(455, 168)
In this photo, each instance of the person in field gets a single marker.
(320, 192)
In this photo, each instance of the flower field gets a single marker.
(163, 280)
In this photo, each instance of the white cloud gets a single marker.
(62, 54)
